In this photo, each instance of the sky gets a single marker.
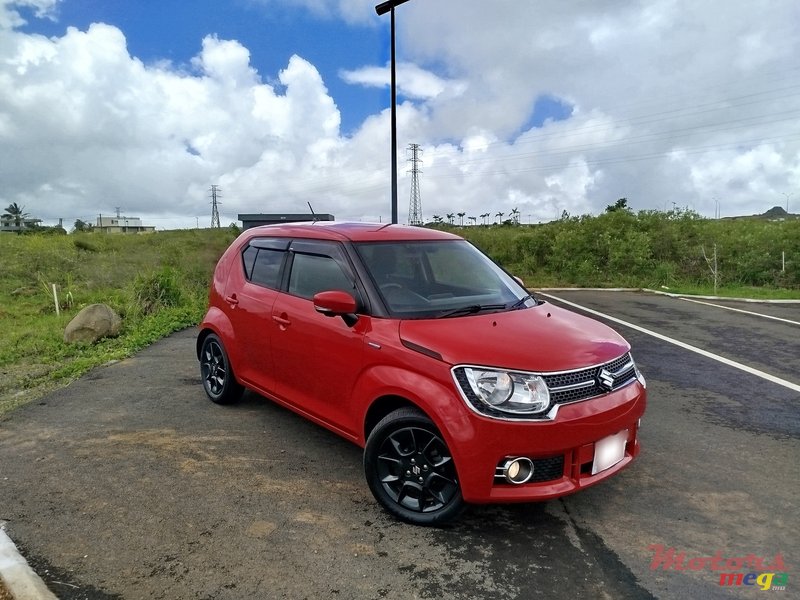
(536, 107)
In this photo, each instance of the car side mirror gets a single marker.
(336, 303)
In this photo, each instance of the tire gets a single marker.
(410, 470)
(219, 382)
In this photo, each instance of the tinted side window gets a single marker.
(266, 267)
(248, 260)
(312, 274)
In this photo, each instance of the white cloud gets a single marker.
(411, 81)
(673, 101)
(86, 127)
(10, 15)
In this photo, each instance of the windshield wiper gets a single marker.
(470, 310)
(522, 301)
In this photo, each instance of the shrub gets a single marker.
(157, 289)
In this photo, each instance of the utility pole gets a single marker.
(382, 9)
(216, 192)
(415, 203)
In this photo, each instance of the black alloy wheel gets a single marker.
(410, 470)
(215, 369)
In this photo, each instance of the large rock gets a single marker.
(94, 322)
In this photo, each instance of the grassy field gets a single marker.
(158, 283)
(649, 249)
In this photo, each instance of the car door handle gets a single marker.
(232, 300)
(283, 320)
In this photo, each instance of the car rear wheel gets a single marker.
(410, 470)
(215, 369)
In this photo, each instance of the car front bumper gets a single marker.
(562, 451)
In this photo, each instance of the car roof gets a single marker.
(352, 231)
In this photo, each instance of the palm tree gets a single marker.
(485, 217)
(437, 219)
(15, 213)
(473, 219)
(515, 215)
(500, 214)
(450, 217)
(461, 217)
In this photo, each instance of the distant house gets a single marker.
(122, 225)
(10, 224)
(256, 220)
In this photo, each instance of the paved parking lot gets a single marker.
(130, 484)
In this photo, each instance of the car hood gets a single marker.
(540, 338)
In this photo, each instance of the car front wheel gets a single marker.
(216, 372)
(410, 470)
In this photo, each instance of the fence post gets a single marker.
(55, 299)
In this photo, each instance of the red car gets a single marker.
(459, 384)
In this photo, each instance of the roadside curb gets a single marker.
(670, 294)
(753, 300)
(20, 580)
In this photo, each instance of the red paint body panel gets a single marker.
(542, 338)
(333, 372)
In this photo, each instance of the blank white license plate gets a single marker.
(609, 451)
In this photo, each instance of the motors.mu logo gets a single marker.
(762, 572)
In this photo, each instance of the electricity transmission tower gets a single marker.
(216, 192)
(415, 204)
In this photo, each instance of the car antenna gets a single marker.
(313, 214)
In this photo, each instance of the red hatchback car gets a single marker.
(459, 384)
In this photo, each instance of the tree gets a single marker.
(500, 214)
(515, 215)
(15, 213)
(461, 217)
(82, 225)
(485, 217)
(621, 204)
(437, 219)
(473, 219)
(450, 217)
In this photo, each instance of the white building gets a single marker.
(121, 224)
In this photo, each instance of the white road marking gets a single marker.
(747, 312)
(684, 345)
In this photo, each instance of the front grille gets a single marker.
(544, 469)
(585, 383)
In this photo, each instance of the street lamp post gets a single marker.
(382, 9)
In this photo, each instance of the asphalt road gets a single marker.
(130, 484)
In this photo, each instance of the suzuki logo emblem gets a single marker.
(605, 380)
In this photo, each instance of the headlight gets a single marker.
(516, 393)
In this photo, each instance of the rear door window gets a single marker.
(262, 261)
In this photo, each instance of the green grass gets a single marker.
(648, 249)
(157, 283)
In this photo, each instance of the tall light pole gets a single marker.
(382, 9)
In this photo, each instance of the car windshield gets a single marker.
(440, 279)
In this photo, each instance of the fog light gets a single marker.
(518, 470)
